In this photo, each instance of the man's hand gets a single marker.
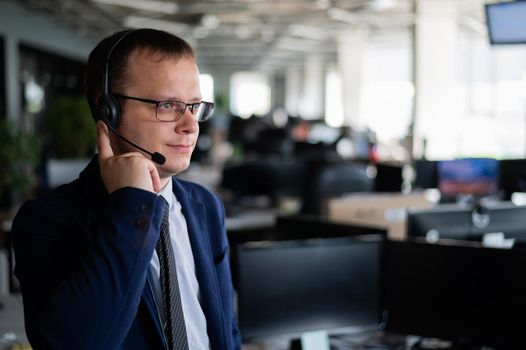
(125, 170)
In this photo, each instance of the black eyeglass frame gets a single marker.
(192, 106)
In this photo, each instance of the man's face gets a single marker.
(159, 77)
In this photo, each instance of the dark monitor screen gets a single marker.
(444, 221)
(291, 287)
(389, 178)
(512, 177)
(426, 174)
(470, 176)
(506, 22)
(455, 292)
(468, 223)
(305, 226)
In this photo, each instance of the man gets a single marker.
(93, 271)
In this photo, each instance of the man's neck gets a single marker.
(164, 182)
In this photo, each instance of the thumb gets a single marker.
(154, 174)
(103, 141)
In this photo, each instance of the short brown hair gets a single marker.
(155, 41)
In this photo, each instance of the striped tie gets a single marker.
(174, 327)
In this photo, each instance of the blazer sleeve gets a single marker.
(225, 278)
(81, 274)
(236, 335)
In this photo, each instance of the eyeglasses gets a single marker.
(171, 111)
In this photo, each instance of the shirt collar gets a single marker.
(167, 193)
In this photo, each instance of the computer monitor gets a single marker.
(287, 288)
(505, 22)
(451, 221)
(512, 177)
(305, 226)
(455, 292)
(448, 221)
(426, 174)
(389, 178)
(470, 176)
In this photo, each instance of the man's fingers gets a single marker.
(154, 174)
(131, 169)
(103, 141)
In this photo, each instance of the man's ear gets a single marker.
(98, 104)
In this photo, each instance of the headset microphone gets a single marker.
(155, 156)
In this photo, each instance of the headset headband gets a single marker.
(106, 77)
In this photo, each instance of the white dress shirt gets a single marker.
(189, 287)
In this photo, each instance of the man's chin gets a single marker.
(173, 168)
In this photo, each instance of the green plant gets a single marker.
(71, 129)
(19, 153)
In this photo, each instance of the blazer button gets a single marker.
(141, 224)
(145, 209)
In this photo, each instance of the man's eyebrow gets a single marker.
(192, 100)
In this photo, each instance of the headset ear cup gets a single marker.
(111, 111)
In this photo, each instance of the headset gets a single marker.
(110, 108)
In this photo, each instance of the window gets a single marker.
(387, 90)
(250, 94)
(207, 87)
(490, 106)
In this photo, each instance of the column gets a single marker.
(293, 90)
(351, 46)
(436, 36)
(312, 102)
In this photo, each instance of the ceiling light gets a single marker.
(381, 5)
(210, 21)
(150, 5)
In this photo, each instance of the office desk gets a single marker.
(252, 220)
(351, 340)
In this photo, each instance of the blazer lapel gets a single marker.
(194, 213)
(150, 297)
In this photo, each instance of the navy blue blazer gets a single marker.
(83, 256)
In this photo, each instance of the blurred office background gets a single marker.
(328, 112)
(380, 81)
